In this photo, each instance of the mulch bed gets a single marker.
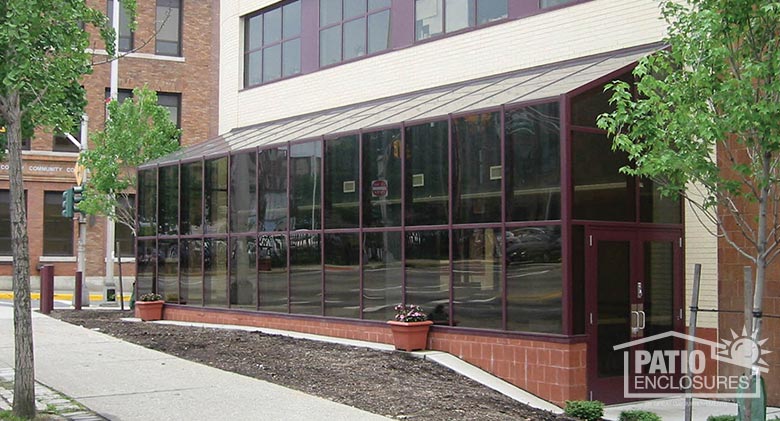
(393, 384)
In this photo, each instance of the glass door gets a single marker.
(634, 281)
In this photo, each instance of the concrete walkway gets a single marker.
(123, 381)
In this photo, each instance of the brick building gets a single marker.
(180, 63)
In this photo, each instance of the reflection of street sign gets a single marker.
(379, 188)
(79, 171)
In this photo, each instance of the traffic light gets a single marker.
(67, 203)
(77, 196)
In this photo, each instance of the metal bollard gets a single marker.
(47, 289)
(77, 292)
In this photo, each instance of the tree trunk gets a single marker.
(24, 372)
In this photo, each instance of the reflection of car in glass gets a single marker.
(533, 244)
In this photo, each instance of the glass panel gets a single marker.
(243, 272)
(428, 18)
(533, 163)
(578, 278)
(477, 169)
(215, 272)
(57, 231)
(659, 292)
(342, 275)
(655, 208)
(305, 274)
(272, 63)
(382, 178)
(272, 190)
(291, 57)
(272, 268)
(476, 278)
(145, 262)
(168, 270)
(168, 19)
(191, 283)
(168, 208)
(354, 8)
(216, 210)
(378, 32)
(459, 14)
(254, 32)
(305, 161)
(253, 72)
(586, 107)
(292, 19)
(330, 11)
(428, 270)
(342, 172)
(243, 192)
(427, 174)
(601, 192)
(125, 240)
(354, 38)
(553, 3)
(382, 274)
(378, 4)
(330, 46)
(534, 280)
(192, 198)
(490, 10)
(272, 26)
(147, 202)
(614, 309)
(5, 223)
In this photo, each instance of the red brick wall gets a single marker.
(550, 370)
(731, 291)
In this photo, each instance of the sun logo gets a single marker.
(745, 352)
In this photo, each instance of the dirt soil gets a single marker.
(393, 384)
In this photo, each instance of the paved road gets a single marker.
(122, 381)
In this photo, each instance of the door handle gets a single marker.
(643, 319)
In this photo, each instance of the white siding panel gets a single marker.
(581, 30)
(701, 246)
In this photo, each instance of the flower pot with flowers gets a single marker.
(149, 307)
(410, 327)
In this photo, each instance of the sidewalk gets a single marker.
(123, 381)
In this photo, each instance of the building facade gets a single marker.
(173, 50)
(436, 152)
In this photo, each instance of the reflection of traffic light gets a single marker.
(67, 203)
(77, 196)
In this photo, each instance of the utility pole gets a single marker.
(81, 179)
(110, 233)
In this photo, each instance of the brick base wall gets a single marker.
(553, 371)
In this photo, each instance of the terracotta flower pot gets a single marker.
(410, 336)
(149, 310)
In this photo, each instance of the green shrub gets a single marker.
(637, 415)
(586, 410)
(722, 418)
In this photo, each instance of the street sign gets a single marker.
(79, 171)
(379, 188)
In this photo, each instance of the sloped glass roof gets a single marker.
(517, 87)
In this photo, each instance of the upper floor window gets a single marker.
(170, 101)
(61, 142)
(125, 34)
(272, 44)
(552, 3)
(436, 17)
(168, 39)
(353, 28)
